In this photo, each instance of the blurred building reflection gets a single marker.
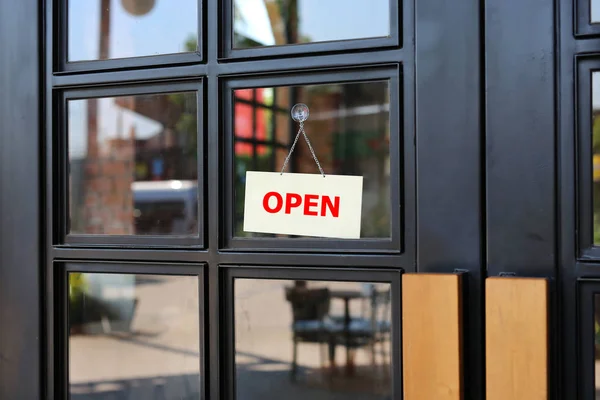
(259, 23)
(123, 141)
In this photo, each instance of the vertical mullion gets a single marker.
(213, 205)
(54, 54)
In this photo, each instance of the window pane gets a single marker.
(596, 153)
(273, 23)
(595, 11)
(133, 336)
(349, 128)
(103, 29)
(339, 331)
(133, 165)
(597, 342)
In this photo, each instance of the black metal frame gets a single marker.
(209, 74)
(584, 27)
(60, 305)
(228, 274)
(228, 52)
(585, 67)
(365, 74)
(59, 148)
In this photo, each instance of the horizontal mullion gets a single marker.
(350, 274)
(129, 76)
(132, 268)
(588, 269)
(116, 267)
(66, 254)
(102, 254)
(587, 45)
(315, 260)
(309, 62)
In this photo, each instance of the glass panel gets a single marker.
(597, 343)
(349, 128)
(312, 340)
(596, 153)
(133, 336)
(274, 23)
(133, 165)
(103, 29)
(595, 11)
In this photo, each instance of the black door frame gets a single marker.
(21, 275)
(479, 84)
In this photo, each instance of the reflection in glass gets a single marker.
(349, 128)
(133, 165)
(597, 343)
(594, 11)
(312, 339)
(596, 153)
(133, 336)
(274, 23)
(103, 29)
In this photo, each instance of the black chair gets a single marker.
(310, 308)
(373, 328)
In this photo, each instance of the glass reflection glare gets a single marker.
(349, 128)
(133, 165)
(133, 337)
(274, 23)
(104, 29)
(312, 339)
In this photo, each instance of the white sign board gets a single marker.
(303, 204)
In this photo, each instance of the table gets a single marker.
(347, 295)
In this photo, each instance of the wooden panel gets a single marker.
(432, 336)
(516, 338)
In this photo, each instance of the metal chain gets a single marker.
(312, 151)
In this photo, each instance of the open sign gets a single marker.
(309, 203)
(303, 204)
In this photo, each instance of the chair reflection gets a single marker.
(313, 323)
(310, 308)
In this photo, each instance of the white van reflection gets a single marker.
(165, 207)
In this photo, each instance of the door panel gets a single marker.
(470, 189)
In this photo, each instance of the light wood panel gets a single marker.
(432, 336)
(516, 338)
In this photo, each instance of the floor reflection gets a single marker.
(341, 352)
(135, 337)
(182, 387)
(597, 343)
